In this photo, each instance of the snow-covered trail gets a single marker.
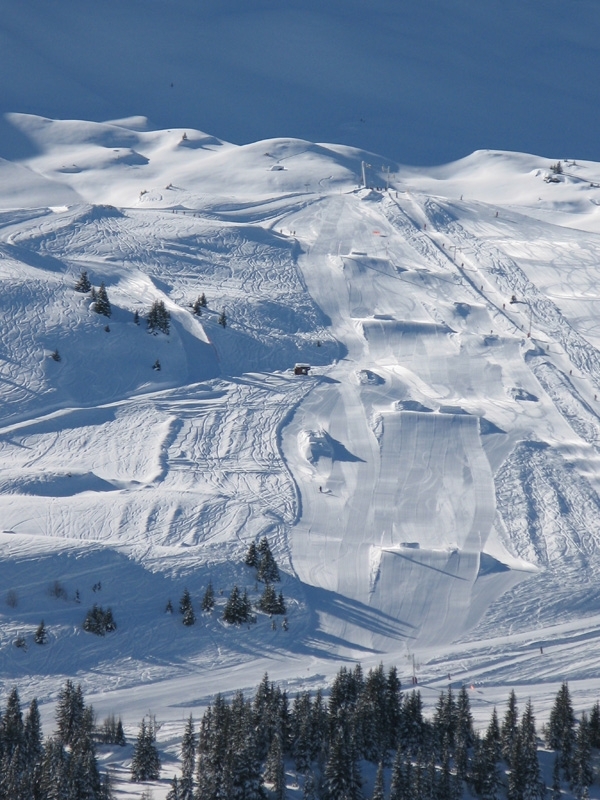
(396, 505)
(456, 530)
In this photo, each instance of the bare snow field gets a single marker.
(430, 490)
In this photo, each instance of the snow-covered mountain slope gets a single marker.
(430, 490)
(424, 83)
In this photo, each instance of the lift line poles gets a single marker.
(364, 166)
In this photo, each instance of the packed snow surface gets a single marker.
(429, 489)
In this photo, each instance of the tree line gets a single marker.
(63, 766)
(245, 746)
(238, 608)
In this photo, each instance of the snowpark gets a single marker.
(430, 489)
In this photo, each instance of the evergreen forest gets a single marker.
(372, 741)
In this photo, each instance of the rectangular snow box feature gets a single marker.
(301, 369)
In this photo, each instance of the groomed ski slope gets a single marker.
(430, 490)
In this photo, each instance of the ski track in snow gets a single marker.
(430, 491)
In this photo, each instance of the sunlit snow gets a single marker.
(430, 489)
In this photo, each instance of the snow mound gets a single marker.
(317, 445)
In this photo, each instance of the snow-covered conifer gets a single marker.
(83, 283)
(159, 319)
(208, 599)
(188, 761)
(185, 601)
(145, 764)
(101, 302)
(69, 712)
(378, 788)
(41, 634)
(267, 567)
(581, 769)
(235, 612)
(274, 771)
(251, 559)
(510, 726)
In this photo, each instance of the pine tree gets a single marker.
(581, 770)
(237, 607)
(99, 621)
(12, 740)
(464, 733)
(393, 707)
(378, 789)
(485, 776)
(69, 712)
(336, 776)
(159, 319)
(251, 559)
(175, 790)
(398, 786)
(445, 722)
(145, 764)
(301, 731)
(83, 283)
(54, 772)
(186, 608)
(197, 306)
(267, 567)
(246, 607)
(138, 762)
(449, 784)
(188, 761)
(41, 635)
(120, 737)
(112, 731)
(595, 725)
(136, 317)
(245, 774)
(55, 356)
(561, 718)
(274, 771)
(208, 600)
(185, 601)
(560, 734)
(510, 726)
(556, 793)
(533, 786)
(84, 777)
(493, 737)
(280, 607)
(412, 724)
(268, 600)
(309, 791)
(102, 303)
(203, 301)
(32, 734)
(189, 618)
(371, 715)
(222, 319)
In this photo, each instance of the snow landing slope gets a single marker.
(431, 485)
